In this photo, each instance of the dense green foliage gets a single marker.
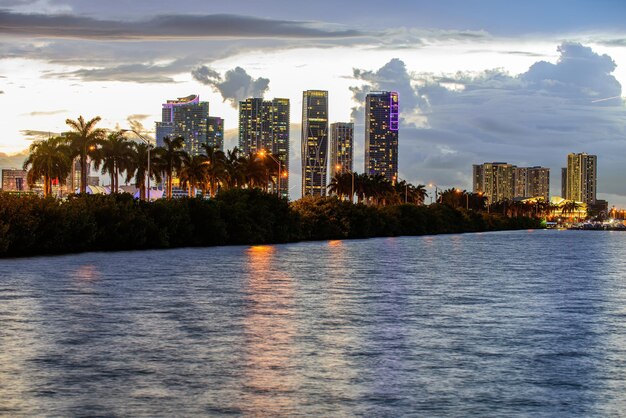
(31, 225)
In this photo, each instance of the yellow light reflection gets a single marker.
(269, 335)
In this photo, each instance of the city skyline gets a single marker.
(485, 83)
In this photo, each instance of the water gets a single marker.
(528, 323)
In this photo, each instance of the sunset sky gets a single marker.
(525, 82)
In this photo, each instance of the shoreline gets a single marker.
(32, 226)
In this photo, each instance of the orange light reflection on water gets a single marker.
(269, 335)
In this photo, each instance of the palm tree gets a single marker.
(169, 158)
(233, 174)
(115, 154)
(215, 171)
(254, 172)
(49, 159)
(82, 140)
(192, 172)
(138, 167)
(341, 185)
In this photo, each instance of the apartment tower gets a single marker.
(314, 142)
(264, 126)
(381, 134)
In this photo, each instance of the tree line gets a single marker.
(32, 225)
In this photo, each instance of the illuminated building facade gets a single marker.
(581, 178)
(215, 132)
(341, 147)
(14, 180)
(538, 182)
(532, 182)
(381, 134)
(494, 180)
(314, 142)
(264, 125)
(189, 117)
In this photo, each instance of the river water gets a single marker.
(525, 323)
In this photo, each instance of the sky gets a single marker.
(479, 81)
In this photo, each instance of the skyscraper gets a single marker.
(581, 178)
(538, 182)
(314, 142)
(564, 182)
(264, 125)
(502, 181)
(341, 147)
(191, 122)
(189, 117)
(495, 181)
(215, 132)
(532, 182)
(381, 134)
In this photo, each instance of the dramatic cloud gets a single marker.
(453, 121)
(393, 76)
(236, 85)
(170, 27)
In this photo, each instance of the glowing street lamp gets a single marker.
(339, 168)
(262, 153)
(435, 186)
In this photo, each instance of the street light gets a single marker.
(466, 198)
(149, 143)
(435, 186)
(263, 154)
(339, 169)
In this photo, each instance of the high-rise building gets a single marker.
(564, 182)
(538, 182)
(341, 147)
(314, 142)
(264, 125)
(532, 182)
(495, 181)
(14, 180)
(215, 132)
(520, 178)
(381, 134)
(188, 117)
(581, 178)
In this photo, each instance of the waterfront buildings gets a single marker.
(502, 181)
(189, 117)
(314, 142)
(341, 148)
(495, 180)
(264, 126)
(215, 132)
(14, 180)
(381, 134)
(532, 182)
(581, 178)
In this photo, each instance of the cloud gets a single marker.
(1, 91)
(579, 73)
(392, 76)
(13, 160)
(236, 85)
(452, 121)
(166, 27)
(32, 135)
(46, 113)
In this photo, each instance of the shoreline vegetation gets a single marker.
(32, 225)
